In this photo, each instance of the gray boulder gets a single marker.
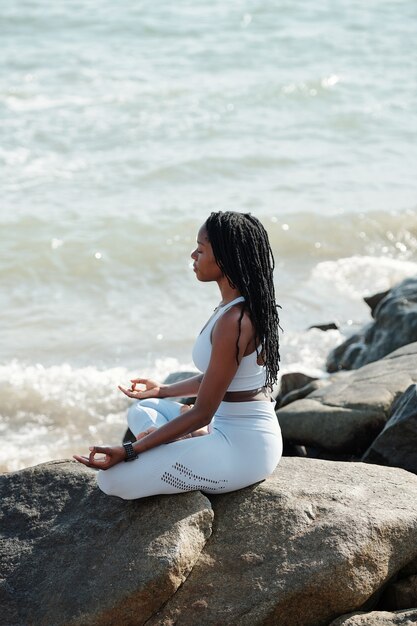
(343, 356)
(346, 415)
(395, 325)
(303, 392)
(326, 326)
(396, 445)
(375, 299)
(378, 618)
(71, 555)
(314, 541)
(290, 383)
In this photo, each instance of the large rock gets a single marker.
(71, 555)
(346, 415)
(378, 618)
(290, 382)
(303, 392)
(314, 541)
(395, 325)
(397, 443)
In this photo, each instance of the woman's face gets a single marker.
(205, 265)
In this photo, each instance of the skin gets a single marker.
(209, 388)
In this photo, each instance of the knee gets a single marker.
(139, 406)
(150, 403)
(108, 485)
(133, 409)
(103, 482)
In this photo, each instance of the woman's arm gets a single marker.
(220, 372)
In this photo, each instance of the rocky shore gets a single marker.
(330, 539)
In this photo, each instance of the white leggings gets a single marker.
(244, 446)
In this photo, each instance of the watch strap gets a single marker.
(129, 451)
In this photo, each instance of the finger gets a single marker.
(94, 465)
(82, 459)
(129, 393)
(97, 450)
(102, 449)
(149, 393)
(139, 381)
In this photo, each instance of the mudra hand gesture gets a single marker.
(113, 455)
(152, 389)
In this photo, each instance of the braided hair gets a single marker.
(242, 250)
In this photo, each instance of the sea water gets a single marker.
(123, 125)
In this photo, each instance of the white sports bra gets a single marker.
(250, 375)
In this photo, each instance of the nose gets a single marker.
(194, 254)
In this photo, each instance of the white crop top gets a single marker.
(250, 375)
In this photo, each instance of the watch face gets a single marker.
(130, 453)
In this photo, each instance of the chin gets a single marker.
(201, 279)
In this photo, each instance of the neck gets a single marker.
(227, 292)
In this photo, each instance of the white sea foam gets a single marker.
(306, 351)
(55, 412)
(360, 276)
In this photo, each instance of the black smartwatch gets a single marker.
(130, 453)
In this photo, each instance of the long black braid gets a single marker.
(242, 250)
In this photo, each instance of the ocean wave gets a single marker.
(54, 412)
(362, 276)
(96, 284)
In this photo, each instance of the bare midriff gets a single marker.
(247, 396)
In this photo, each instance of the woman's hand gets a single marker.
(113, 455)
(152, 389)
(184, 409)
(196, 433)
(145, 432)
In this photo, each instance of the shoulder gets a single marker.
(233, 323)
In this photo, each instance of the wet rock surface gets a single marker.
(394, 325)
(396, 445)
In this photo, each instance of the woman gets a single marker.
(230, 438)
